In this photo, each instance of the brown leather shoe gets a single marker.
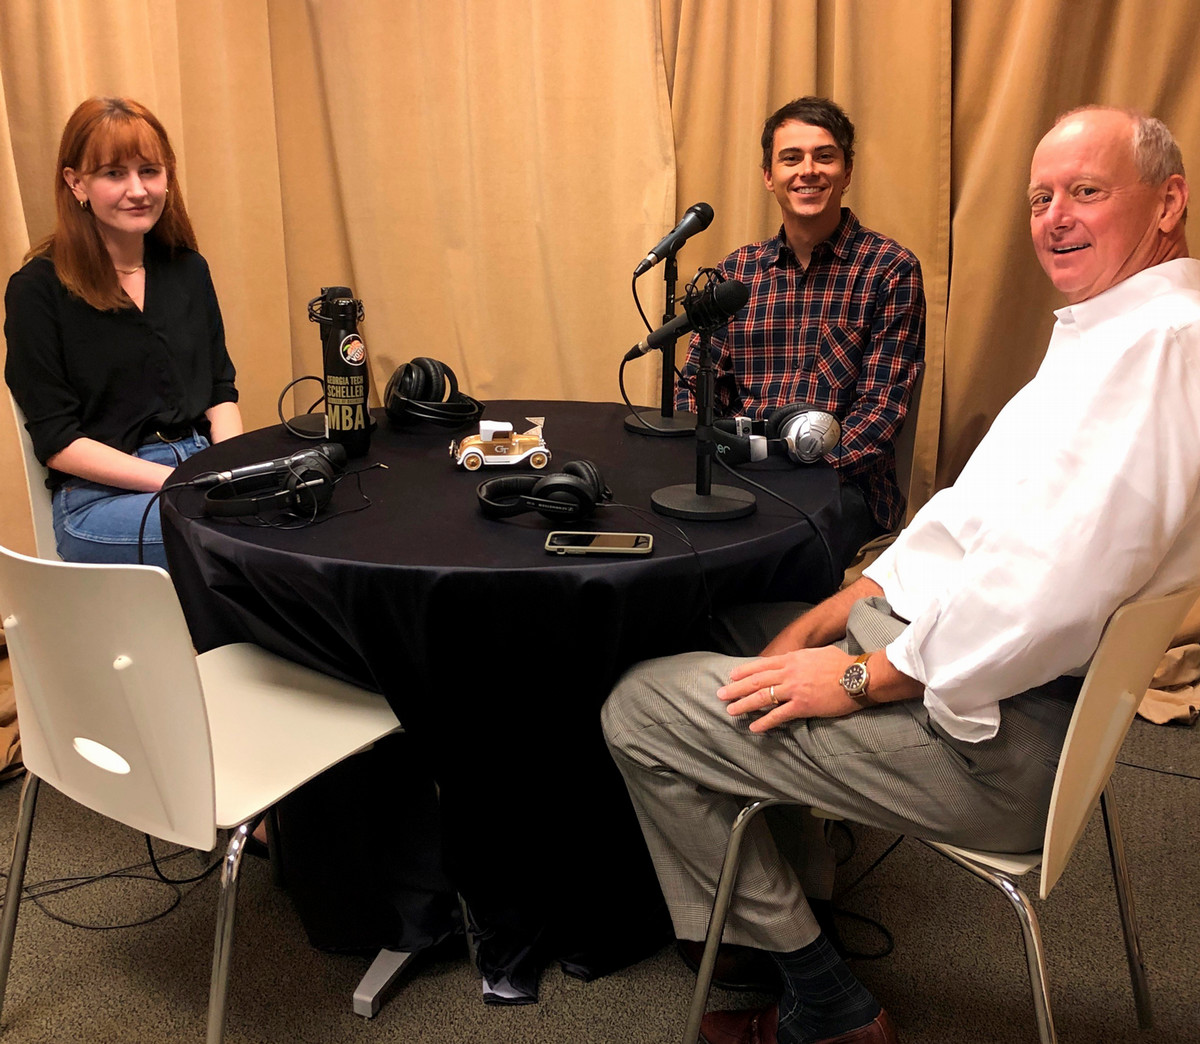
(752, 1026)
(738, 967)
(879, 1031)
(761, 1026)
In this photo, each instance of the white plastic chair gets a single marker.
(39, 495)
(1129, 651)
(119, 714)
(906, 440)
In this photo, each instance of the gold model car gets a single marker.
(497, 444)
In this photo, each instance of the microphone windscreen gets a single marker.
(704, 215)
(710, 309)
(334, 452)
(731, 295)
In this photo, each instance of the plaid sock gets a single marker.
(821, 998)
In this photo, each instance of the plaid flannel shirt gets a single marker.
(846, 335)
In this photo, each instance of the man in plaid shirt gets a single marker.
(836, 317)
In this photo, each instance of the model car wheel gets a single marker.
(473, 461)
(538, 460)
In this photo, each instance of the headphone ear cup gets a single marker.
(590, 474)
(781, 416)
(449, 380)
(412, 381)
(578, 496)
(310, 484)
(433, 383)
(806, 432)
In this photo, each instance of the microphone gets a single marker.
(333, 452)
(714, 306)
(697, 219)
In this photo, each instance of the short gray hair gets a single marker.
(1155, 151)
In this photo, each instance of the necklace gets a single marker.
(131, 271)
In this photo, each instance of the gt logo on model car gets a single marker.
(496, 443)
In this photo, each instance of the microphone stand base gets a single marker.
(724, 502)
(652, 422)
(312, 424)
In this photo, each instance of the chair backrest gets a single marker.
(39, 495)
(906, 439)
(1129, 652)
(109, 699)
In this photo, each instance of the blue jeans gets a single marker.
(98, 523)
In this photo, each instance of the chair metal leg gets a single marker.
(1035, 956)
(1133, 949)
(16, 878)
(720, 910)
(230, 867)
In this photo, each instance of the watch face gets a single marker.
(855, 678)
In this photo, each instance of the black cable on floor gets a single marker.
(888, 942)
(1161, 772)
(40, 890)
(173, 880)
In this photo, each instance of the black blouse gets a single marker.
(115, 377)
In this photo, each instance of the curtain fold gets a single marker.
(500, 169)
(16, 529)
(227, 126)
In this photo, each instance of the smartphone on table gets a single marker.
(567, 542)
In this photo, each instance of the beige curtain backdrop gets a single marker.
(486, 173)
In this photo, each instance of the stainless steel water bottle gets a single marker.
(347, 382)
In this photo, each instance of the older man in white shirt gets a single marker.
(932, 696)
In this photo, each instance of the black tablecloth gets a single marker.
(496, 655)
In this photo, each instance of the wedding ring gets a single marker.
(771, 693)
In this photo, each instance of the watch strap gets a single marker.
(862, 694)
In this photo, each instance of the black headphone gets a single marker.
(798, 431)
(427, 390)
(568, 496)
(302, 484)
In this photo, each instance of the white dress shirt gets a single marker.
(1084, 493)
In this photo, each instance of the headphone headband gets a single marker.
(504, 497)
(427, 390)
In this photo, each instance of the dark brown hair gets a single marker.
(102, 131)
(816, 112)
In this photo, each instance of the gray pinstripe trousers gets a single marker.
(690, 767)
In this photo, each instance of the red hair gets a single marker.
(102, 131)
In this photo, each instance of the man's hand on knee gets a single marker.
(800, 684)
(807, 683)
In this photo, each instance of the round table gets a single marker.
(496, 655)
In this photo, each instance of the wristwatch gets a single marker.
(855, 677)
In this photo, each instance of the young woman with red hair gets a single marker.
(116, 348)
